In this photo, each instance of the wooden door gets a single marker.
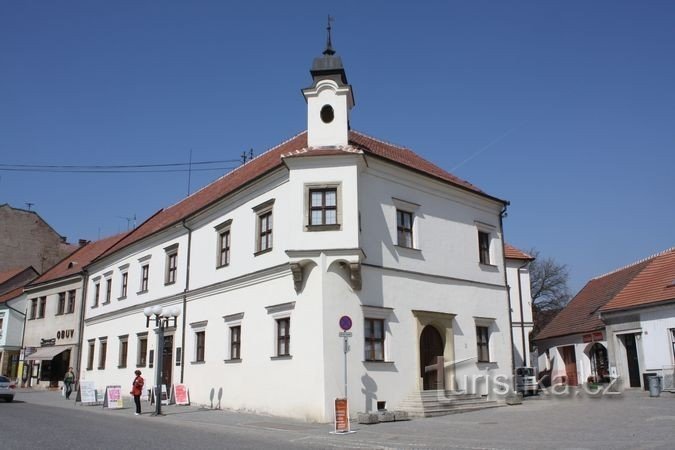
(431, 347)
(570, 359)
(167, 361)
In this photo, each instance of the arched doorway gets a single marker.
(431, 347)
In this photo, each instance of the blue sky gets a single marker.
(566, 109)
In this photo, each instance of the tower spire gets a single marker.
(329, 44)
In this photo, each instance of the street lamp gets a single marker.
(164, 318)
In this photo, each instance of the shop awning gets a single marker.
(46, 352)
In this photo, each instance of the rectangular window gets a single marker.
(284, 336)
(62, 304)
(235, 342)
(323, 206)
(171, 267)
(484, 247)
(145, 274)
(124, 350)
(265, 231)
(374, 339)
(142, 351)
(103, 350)
(483, 343)
(672, 338)
(33, 308)
(125, 282)
(404, 224)
(2, 322)
(90, 355)
(200, 341)
(151, 359)
(43, 306)
(224, 248)
(71, 302)
(108, 291)
(97, 294)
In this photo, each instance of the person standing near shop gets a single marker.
(68, 381)
(137, 391)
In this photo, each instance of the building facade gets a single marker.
(520, 299)
(264, 262)
(53, 317)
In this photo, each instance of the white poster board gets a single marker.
(165, 395)
(113, 397)
(86, 392)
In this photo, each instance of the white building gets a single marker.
(620, 325)
(263, 262)
(53, 312)
(520, 298)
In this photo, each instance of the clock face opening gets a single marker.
(327, 114)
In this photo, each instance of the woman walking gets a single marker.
(137, 391)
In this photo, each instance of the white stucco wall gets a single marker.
(12, 329)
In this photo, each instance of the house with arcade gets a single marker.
(261, 264)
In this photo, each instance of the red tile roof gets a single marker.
(11, 295)
(76, 261)
(643, 282)
(9, 274)
(512, 252)
(654, 284)
(271, 160)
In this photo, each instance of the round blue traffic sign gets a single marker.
(345, 322)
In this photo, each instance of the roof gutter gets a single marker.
(503, 214)
(185, 292)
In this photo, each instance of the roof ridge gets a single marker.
(236, 169)
(383, 142)
(633, 264)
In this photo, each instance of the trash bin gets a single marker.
(654, 386)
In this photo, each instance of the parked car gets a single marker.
(7, 389)
(526, 381)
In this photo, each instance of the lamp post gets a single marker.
(163, 319)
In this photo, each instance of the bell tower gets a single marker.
(329, 100)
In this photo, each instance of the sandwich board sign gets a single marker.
(165, 395)
(180, 394)
(113, 397)
(86, 392)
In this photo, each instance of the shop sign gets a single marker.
(47, 342)
(113, 397)
(65, 334)
(180, 393)
(341, 415)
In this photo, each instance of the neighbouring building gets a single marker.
(53, 311)
(12, 307)
(27, 240)
(263, 263)
(520, 296)
(620, 325)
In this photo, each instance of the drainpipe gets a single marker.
(503, 214)
(80, 336)
(522, 317)
(185, 292)
(23, 335)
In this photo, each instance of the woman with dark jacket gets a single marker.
(137, 391)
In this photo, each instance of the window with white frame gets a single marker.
(142, 349)
(485, 234)
(405, 222)
(102, 352)
(171, 264)
(145, 276)
(90, 355)
(62, 304)
(97, 293)
(199, 338)
(124, 285)
(70, 307)
(375, 325)
(483, 332)
(223, 232)
(672, 341)
(33, 308)
(281, 314)
(264, 226)
(108, 291)
(323, 212)
(42, 307)
(123, 351)
(233, 323)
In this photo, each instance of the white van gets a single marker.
(526, 381)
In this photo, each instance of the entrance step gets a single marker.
(439, 403)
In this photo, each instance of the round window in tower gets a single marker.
(327, 114)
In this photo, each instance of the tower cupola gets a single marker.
(329, 100)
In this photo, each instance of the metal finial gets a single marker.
(329, 44)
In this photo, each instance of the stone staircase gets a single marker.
(440, 403)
